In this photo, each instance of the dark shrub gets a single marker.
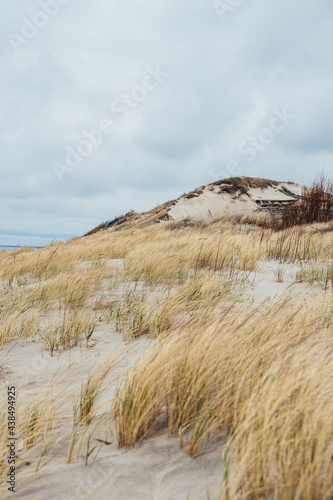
(315, 205)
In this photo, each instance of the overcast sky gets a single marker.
(113, 105)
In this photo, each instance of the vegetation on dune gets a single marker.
(314, 206)
(256, 377)
(261, 379)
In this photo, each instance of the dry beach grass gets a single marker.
(258, 377)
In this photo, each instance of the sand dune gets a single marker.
(206, 203)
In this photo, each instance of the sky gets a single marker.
(112, 105)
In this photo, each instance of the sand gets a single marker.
(211, 204)
(156, 468)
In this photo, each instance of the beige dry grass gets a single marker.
(263, 379)
(260, 377)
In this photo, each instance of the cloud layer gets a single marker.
(185, 89)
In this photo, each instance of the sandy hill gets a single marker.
(233, 195)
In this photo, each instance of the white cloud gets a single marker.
(225, 78)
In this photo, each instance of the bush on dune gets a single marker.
(315, 205)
